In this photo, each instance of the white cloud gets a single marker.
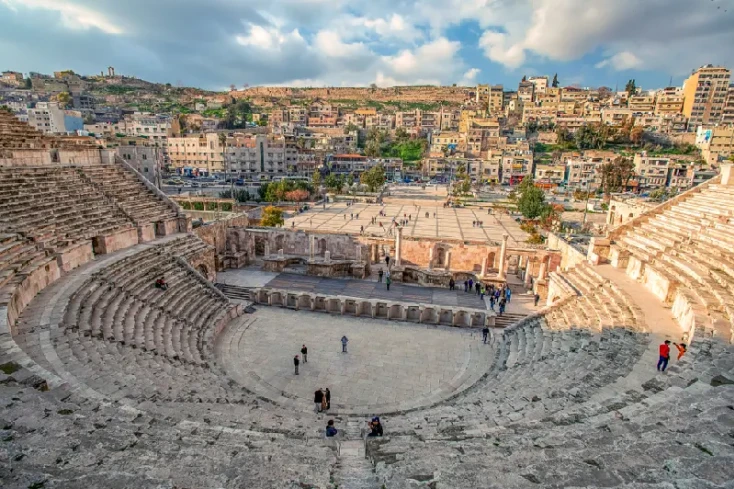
(331, 44)
(269, 38)
(621, 61)
(470, 77)
(73, 16)
(497, 48)
(395, 27)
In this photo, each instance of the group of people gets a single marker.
(322, 400)
(297, 361)
(161, 284)
(665, 354)
(477, 224)
(374, 428)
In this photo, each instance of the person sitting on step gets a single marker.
(330, 430)
(375, 427)
(161, 284)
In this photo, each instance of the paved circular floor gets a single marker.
(390, 366)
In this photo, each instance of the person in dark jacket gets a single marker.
(328, 398)
(375, 427)
(318, 397)
(304, 352)
(296, 363)
(452, 284)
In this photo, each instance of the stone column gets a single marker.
(430, 259)
(267, 249)
(375, 253)
(484, 266)
(448, 260)
(543, 269)
(311, 247)
(280, 253)
(359, 253)
(327, 257)
(528, 274)
(398, 242)
(503, 258)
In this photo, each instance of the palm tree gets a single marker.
(223, 144)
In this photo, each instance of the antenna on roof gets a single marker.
(670, 84)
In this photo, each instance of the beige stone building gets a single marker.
(728, 115)
(641, 103)
(705, 94)
(716, 143)
(662, 171)
(669, 101)
(540, 84)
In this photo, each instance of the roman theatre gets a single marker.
(107, 380)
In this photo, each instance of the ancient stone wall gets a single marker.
(570, 256)
(424, 94)
(254, 241)
(215, 233)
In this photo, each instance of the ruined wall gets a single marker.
(405, 94)
(464, 257)
(215, 233)
(569, 256)
(253, 240)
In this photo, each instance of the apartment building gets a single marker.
(515, 167)
(672, 172)
(705, 95)
(541, 114)
(641, 103)
(490, 98)
(549, 175)
(12, 78)
(615, 116)
(480, 169)
(49, 118)
(356, 164)
(146, 160)
(728, 114)
(525, 91)
(540, 84)
(443, 143)
(716, 143)
(669, 101)
(583, 171)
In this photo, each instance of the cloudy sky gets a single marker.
(215, 43)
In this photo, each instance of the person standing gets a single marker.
(304, 352)
(471, 285)
(477, 286)
(296, 363)
(327, 396)
(379, 276)
(318, 397)
(485, 334)
(452, 284)
(491, 301)
(682, 349)
(664, 356)
(536, 299)
(466, 285)
(508, 293)
(503, 302)
(388, 281)
(387, 260)
(345, 340)
(482, 290)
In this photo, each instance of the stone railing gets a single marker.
(620, 230)
(375, 308)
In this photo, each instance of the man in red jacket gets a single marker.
(664, 356)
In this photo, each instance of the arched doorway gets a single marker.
(322, 247)
(440, 256)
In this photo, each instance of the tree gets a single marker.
(630, 88)
(64, 99)
(616, 175)
(223, 144)
(636, 135)
(297, 195)
(401, 134)
(554, 84)
(272, 217)
(462, 183)
(239, 195)
(350, 128)
(28, 84)
(350, 180)
(316, 178)
(333, 183)
(524, 78)
(531, 199)
(374, 178)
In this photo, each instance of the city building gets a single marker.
(49, 118)
(146, 160)
(669, 101)
(670, 172)
(716, 143)
(728, 114)
(705, 95)
(540, 84)
(12, 78)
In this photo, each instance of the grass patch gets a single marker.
(9, 368)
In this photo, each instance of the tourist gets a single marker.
(304, 352)
(452, 284)
(387, 260)
(351, 216)
(318, 396)
(477, 286)
(361, 229)
(491, 302)
(482, 290)
(485, 334)
(296, 363)
(388, 281)
(503, 302)
(466, 285)
(536, 299)
(161, 284)
(345, 340)
(471, 285)
(375, 427)
(379, 276)
(327, 396)
(664, 356)
(508, 294)
(323, 401)
(330, 430)
(682, 349)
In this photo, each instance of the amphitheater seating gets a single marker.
(138, 202)
(685, 255)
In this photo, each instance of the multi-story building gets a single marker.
(715, 142)
(670, 172)
(704, 96)
(298, 115)
(544, 114)
(549, 175)
(356, 164)
(12, 78)
(669, 101)
(641, 103)
(515, 167)
(540, 83)
(615, 116)
(145, 159)
(525, 91)
(49, 118)
(445, 143)
(480, 169)
(583, 171)
(728, 114)
(490, 98)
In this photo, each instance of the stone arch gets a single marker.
(440, 256)
(279, 240)
(322, 247)
(260, 245)
(491, 256)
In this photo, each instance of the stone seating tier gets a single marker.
(685, 256)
